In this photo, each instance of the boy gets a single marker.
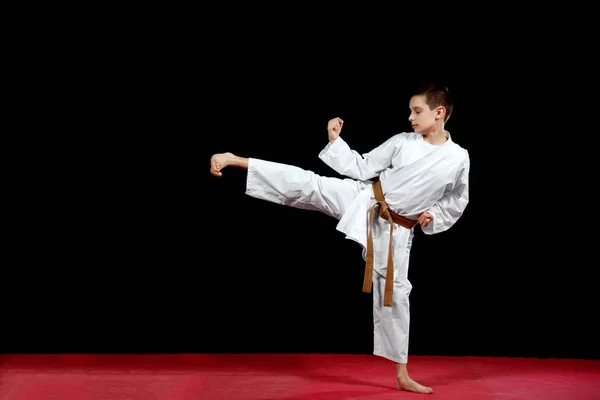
(418, 177)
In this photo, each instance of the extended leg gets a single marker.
(289, 185)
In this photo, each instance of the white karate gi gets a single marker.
(415, 177)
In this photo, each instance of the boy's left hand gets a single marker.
(425, 218)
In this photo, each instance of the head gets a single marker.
(430, 108)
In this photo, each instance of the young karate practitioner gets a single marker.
(418, 177)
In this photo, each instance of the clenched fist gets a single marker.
(425, 219)
(334, 128)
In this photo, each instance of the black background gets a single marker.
(124, 242)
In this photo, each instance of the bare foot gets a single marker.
(220, 161)
(406, 383)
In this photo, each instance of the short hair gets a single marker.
(436, 95)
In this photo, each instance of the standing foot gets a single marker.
(406, 383)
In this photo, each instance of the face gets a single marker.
(422, 119)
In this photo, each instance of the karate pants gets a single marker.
(295, 187)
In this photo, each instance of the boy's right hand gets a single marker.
(334, 128)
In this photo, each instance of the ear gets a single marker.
(440, 112)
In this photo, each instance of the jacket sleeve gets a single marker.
(345, 161)
(451, 206)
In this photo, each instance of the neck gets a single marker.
(435, 137)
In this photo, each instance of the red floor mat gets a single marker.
(289, 377)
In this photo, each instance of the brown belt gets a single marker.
(393, 217)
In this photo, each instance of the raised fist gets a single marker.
(334, 128)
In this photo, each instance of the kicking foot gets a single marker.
(406, 383)
(220, 161)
